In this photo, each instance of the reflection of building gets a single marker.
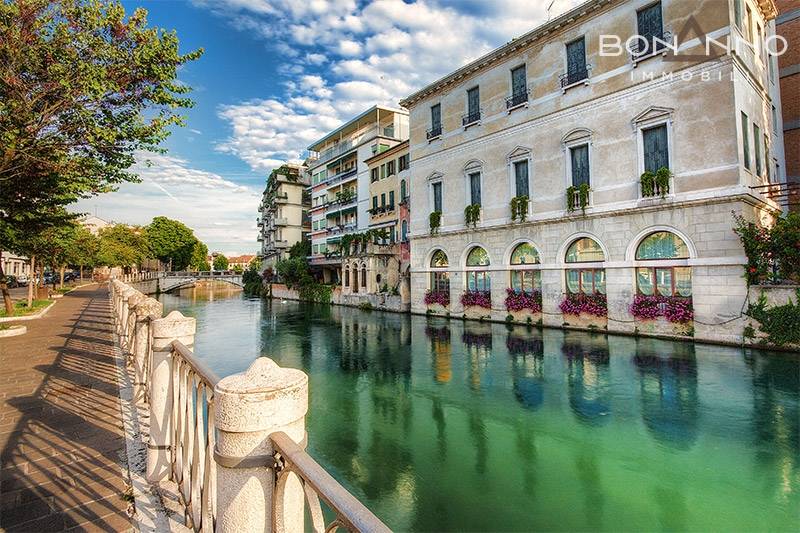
(441, 351)
(527, 369)
(546, 141)
(284, 212)
(340, 182)
(588, 377)
(668, 391)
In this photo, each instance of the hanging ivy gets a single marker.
(472, 214)
(435, 220)
(781, 323)
(519, 208)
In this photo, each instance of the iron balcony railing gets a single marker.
(342, 176)
(651, 45)
(574, 76)
(471, 118)
(435, 131)
(517, 99)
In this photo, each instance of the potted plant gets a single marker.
(519, 208)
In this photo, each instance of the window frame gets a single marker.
(586, 66)
(646, 124)
(432, 183)
(525, 269)
(580, 271)
(518, 155)
(745, 126)
(653, 272)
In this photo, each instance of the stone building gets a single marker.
(788, 27)
(15, 265)
(585, 179)
(339, 187)
(284, 208)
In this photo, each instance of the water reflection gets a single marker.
(668, 391)
(588, 376)
(448, 425)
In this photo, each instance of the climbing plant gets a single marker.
(472, 214)
(781, 323)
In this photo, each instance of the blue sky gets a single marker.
(278, 74)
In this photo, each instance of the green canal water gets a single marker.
(445, 425)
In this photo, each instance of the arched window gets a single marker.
(663, 280)
(586, 280)
(355, 278)
(477, 278)
(364, 277)
(440, 278)
(404, 231)
(525, 279)
(346, 277)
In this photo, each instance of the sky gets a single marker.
(276, 76)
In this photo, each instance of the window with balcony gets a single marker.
(650, 31)
(436, 122)
(473, 107)
(519, 88)
(577, 70)
(579, 163)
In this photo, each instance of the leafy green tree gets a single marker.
(301, 248)
(84, 252)
(220, 262)
(82, 89)
(255, 264)
(252, 281)
(293, 272)
(122, 246)
(171, 241)
(237, 269)
(199, 259)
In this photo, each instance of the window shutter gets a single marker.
(650, 22)
(437, 197)
(436, 115)
(518, 82)
(656, 149)
(473, 101)
(521, 175)
(475, 188)
(576, 56)
(580, 165)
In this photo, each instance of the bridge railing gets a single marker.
(233, 449)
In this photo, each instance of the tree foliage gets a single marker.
(220, 262)
(301, 248)
(82, 90)
(171, 241)
(122, 245)
(199, 259)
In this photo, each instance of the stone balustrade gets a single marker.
(234, 448)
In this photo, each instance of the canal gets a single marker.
(446, 425)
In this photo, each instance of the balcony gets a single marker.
(281, 198)
(281, 244)
(471, 118)
(645, 48)
(341, 176)
(574, 77)
(435, 132)
(517, 100)
(341, 229)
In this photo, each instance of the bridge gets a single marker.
(152, 282)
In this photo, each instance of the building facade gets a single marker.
(15, 265)
(788, 27)
(339, 188)
(556, 181)
(284, 218)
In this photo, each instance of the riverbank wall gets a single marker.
(381, 301)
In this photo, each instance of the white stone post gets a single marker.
(127, 292)
(249, 407)
(165, 330)
(134, 299)
(147, 310)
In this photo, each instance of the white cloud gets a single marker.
(202, 200)
(373, 53)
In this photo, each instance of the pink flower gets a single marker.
(519, 300)
(437, 297)
(477, 298)
(591, 304)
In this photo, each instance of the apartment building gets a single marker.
(381, 263)
(284, 208)
(339, 188)
(788, 27)
(561, 182)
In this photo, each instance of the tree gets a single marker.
(199, 259)
(122, 245)
(220, 262)
(85, 249)
(82, 90)
(237, 269)
(301, 248)
(171, 241)
(255, 264)
(293, 272)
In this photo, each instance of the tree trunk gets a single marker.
(61, 281)
(4, 287)
(81, 281)
(31, 280)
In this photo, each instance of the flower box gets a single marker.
(585, 310)
(437, 301)
(524, 307)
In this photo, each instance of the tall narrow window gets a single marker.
(737, 13)
(519, 86)
(746, 140)
(391, 199)
(404, 231)
(374, 203)
(475, 188)
(473, 106)
(576, 61)
(766, 156)
(403, 192)
(650, 28)
(757, 146)
(437, 196)
(656, 148)
(521, 178)
(579, 159)
(383, 199)
(436, 121)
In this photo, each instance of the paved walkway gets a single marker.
(61, 436)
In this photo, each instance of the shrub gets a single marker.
(773, 254)
(590, 304)
(477, 298)
(437, 297)
(780, 323)
(472, 214)
(519, 300)
(253, 283)
(435, 220)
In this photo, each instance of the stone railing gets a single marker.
(233, 449)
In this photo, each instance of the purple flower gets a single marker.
(437, 297)
(673, 308)
(477, 298)
(591, 304)
(519, 300)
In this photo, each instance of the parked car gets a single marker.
(11, 282)
(22, 280)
